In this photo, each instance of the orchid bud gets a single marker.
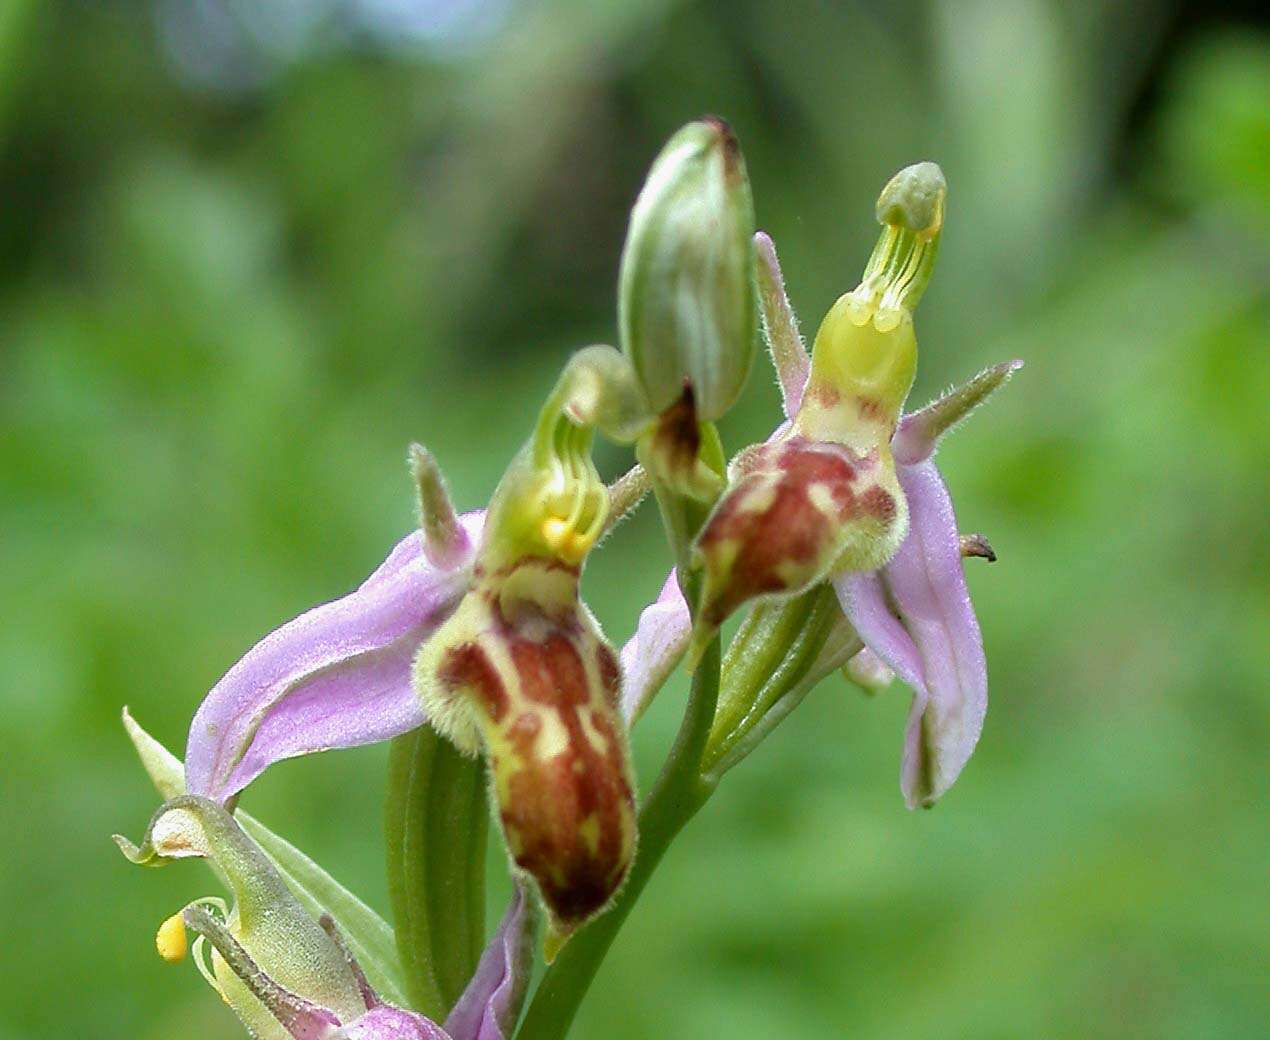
(686, 292)
(286, 975)
(299, 1017)
(823, 496)
(287, 946)
(522, 673)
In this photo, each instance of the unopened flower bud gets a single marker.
(286, 975)
(522, 673)
(285, 943)
(686, 294)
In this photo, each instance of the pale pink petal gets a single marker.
(651, 654)
(390, 1023)
(928, 586)
(336, 676)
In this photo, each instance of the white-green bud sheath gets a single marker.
(686, 290)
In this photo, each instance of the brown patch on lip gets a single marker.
(870, 409)
(610, 674)
(878, 502)
(550, 671)
(468, 667)
(825, 396)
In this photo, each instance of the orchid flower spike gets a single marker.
(522, 673)
(290, 977)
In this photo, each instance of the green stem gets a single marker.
(679, 792)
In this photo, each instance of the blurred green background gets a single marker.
(248, 251)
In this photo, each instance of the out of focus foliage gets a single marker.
(249, 251)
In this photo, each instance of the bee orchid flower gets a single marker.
(836, 535)
(912, 611)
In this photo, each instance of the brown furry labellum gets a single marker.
(795, 512)
(533, 683)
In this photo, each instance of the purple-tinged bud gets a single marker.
(287, 945)
(686, 293)
(289, 976)
(296, 1015)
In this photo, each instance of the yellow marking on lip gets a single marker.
(759, 498)
(552, 738)
(593, 735)
(821, 499)
(589, 832)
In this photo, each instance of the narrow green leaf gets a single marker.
(437, 826)
(368, 935)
